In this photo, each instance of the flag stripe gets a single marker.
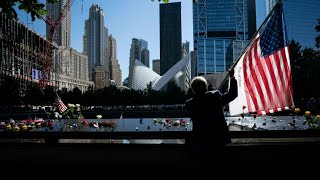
(285, 53)
(248, 84)
(273, 81)
(268, 94)
(60, 104)
(274, 62)
(257, 87)
(283, 79)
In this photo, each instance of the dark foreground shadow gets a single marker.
(154, 161)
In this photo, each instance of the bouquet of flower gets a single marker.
(310, 120)
(73, 112)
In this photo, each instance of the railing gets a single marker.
(240, 136)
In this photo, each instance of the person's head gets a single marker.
(199, 85)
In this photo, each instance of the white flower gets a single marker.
(43, 108)
(99, 116)
(77, 105)
(69, 105)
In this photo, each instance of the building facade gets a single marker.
(22, 52)
(95, 40)
(99, 77)
(138, 51)
(114, 66)
(145, 57)
(170, 35)
(63, 33)
(193, 64)
(156, 66)
(301, 18)
(217, 25)
(72, 70)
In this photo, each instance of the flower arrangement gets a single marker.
(311, 120)
(111, 124)
(73, 112)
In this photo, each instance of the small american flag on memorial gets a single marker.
(60, 104)
(263, 71)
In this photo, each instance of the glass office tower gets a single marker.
(170, 35)
(301, 18)
(222, 29)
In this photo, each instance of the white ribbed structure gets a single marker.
(142, 75)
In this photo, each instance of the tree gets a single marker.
(9, 88)
(35, 8)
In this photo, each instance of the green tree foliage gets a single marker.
(9, 88)
(33, 7)
(305, 64)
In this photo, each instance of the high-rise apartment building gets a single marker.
(114, 66)
(170, 35)
(138, 51)
(221, 32)
(63, 33)
(95, 40)
(301, 18)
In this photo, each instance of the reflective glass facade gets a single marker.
(217, 24)
(170, 35)
(301, 19)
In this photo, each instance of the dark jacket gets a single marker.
(207, 115)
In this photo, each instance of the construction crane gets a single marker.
(53, 25)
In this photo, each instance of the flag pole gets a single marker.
(251, 41)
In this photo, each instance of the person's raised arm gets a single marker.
(233, 89)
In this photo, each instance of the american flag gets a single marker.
(263, 71)
(60, 104)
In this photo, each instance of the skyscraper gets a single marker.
(114, 67)
(138, 51)
(170, 35)
(95, 40)
(221, 32)
(301, 18)
(145, 57)
(63, 33)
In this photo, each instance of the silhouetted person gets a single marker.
(210, 132)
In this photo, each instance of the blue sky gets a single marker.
(127, 19)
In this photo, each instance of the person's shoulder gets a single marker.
(215, 93)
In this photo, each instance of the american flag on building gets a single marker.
(60, 104)
(263, 71)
